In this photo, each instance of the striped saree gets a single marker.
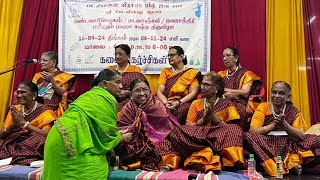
(177, 86)
(267, 148)
(207, 148)
(25, 146)
(150, 124)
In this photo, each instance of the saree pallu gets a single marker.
(150, 124)
(177, 86)
(50, 96)
(22, 145)
(237, 81)
(204, 147)
(267, 148)
(77, 144)
(127, 77)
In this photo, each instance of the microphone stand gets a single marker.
(16, 68)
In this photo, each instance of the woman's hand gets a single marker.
(17, 118)
(172, 104)
(47, 76)
(231, 95)
(125, 135)
(279, 119)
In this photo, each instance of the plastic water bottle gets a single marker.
(279, 168)
(251, 166)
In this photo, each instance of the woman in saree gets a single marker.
(239, 84)
(178, 85)
(209, 141)
(129, 72)
(26, 126)
(280, 115)
(150, 122)
(53, 84)
(77, 144)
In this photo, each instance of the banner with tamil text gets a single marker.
(90, 29)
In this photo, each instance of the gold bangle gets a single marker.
(265, 129)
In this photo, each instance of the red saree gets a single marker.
(177, 86)
(25, 146)
(205, 146)
(149, 123)
(237, 81)
(267, 148)
(51, 98)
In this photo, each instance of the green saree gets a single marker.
(77, 144)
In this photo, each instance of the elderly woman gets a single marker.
(239, 84)
(178, 85)
(25, 129)
(122, 58)
(129, 72)
(148, 119)
(209, 141)
(277, 130)
(53, 84)
(77, 144)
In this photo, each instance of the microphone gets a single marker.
(33, 61)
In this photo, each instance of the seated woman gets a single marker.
(53, 84)
(148, 119)
(26, 126)
(129, 72)
(296, 148)
(122, 58)
(239, 84)
(178, 86)
(77, 144)
(208, 142)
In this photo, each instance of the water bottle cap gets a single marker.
(279, 157)
(251, 156)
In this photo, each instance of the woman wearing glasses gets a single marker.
(178, 85)
(148, 120)
(129, 72)
(239, 84)
(209, 141)
(77, 144)
(53, 83)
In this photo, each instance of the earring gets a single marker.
(216, 92)
(34, 98)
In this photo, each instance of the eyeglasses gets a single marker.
(206, 85)
(172, 55)
(141, 90)
(227, 55)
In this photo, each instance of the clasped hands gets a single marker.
(209, 118)
(172, 104)
(17, 118)
(47, 76)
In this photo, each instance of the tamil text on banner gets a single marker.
(89, 31)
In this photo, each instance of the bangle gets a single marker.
(25, 125)
(265, 129)
(180, 102)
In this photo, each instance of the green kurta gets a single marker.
(77, 144)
